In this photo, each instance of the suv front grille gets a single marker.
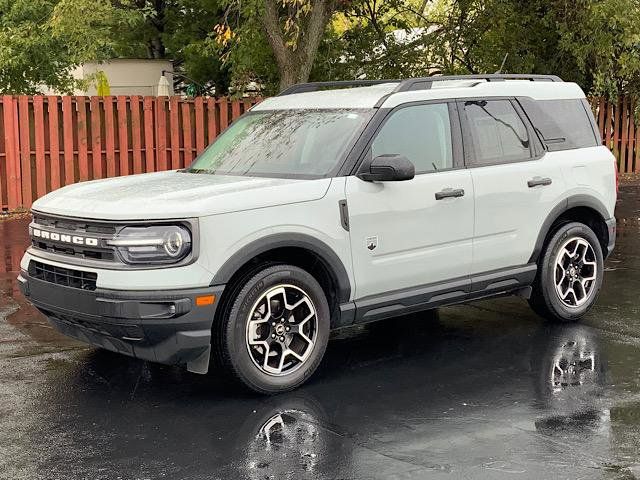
(74, 227)
(63, 276)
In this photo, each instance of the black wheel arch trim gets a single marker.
(284, 240)
(573, 201)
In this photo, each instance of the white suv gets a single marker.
(330, 205)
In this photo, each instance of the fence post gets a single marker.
(224, 114)
(631, 136)
(67, 131)
(161, 133)
(136, 133)
(199, 114)
(123, 140)
(83, 141)
(25, 150)
(186, 133)
(149, 160)
(212, 124)
(96, 138)
(12, 158)
(110, 136)
(174, 116)
(235, 109)
(636, 146)
(54, 141)
(601, 117)
(41, 171)
(4, 172)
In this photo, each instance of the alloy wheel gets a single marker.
(575, 272)
(282, 328)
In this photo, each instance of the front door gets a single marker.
(418, 232)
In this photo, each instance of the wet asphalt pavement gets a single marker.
(485, 390)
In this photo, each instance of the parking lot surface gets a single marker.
(486, 390)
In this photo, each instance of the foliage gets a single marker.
(189, 36)
(378, 39)
(240, 44)
(29, 54)
(94, 29)
(292, 30)
(180, 30)
(595, 43)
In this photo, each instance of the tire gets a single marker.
(246, 329)
(546, 298)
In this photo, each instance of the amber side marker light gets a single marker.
(204, 300)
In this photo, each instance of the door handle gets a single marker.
(539, 181)
(450, 193)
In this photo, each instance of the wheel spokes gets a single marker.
(280, 341)
(575, 272)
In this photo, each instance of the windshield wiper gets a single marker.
(195, 170)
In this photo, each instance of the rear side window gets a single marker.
(497, 132)
(562, 124)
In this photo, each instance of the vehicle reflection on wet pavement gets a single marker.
(486, 390)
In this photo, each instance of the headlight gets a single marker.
(157, 244)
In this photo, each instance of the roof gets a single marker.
(390, 93)
(359, 97)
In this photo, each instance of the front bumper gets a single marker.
(159, 326)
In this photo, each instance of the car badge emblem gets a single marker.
(371, 243)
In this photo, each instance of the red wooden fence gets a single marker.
(49, 142)
(620, 131)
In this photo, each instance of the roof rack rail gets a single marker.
(425, 83)
(315, 86)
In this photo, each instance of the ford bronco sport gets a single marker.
(330, 205)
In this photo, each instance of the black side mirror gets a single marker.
(389, 168)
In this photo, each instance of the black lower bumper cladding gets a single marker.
(611, 227)
(160, 326)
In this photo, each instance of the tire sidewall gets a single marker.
(239, 355)
(558, 308)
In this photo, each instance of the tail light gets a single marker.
(615, 168)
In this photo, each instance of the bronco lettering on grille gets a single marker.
(59, 237)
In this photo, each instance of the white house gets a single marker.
(128, 76)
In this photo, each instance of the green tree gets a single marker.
(595, 43)
(291, 29)
(218, 44)
(179, 30)
(379, 39)
(30, 56)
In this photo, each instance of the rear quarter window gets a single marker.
(562, 124)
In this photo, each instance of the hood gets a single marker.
(173, 194)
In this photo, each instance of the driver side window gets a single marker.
(422, 133)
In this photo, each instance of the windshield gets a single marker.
(283, 143)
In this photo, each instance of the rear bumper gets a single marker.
(611, 227)
(159, 326)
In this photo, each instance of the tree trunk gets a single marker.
(295, 63)
(290, 75)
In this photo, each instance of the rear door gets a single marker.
(417, 232)
(516, 185)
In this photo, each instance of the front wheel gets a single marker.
(569, 275)
(277, 329)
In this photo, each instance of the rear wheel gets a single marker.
(569, 274)
(276, 330)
